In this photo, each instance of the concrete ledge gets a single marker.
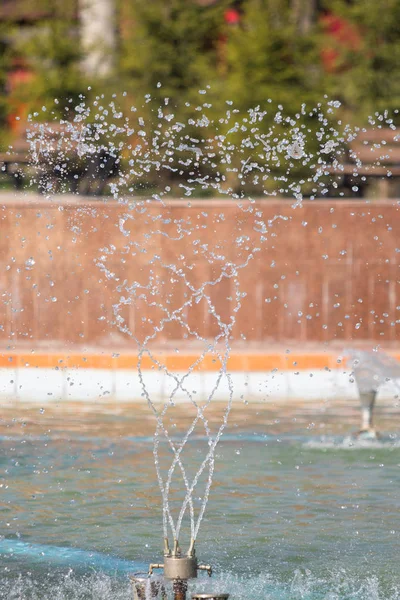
(45, 378)
(103, 385)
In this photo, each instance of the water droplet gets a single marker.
(30, 263)
(295, 150)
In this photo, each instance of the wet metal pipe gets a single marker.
(180, 567)
(210, 596)
(145, 588)
(180, 588)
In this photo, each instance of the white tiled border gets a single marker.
(50, 385)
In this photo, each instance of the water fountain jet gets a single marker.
(371, 370)
(173, 306)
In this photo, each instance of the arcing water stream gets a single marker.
(232, 157)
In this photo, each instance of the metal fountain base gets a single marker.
(178, 568)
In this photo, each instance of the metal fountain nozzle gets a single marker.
(155, 566)
(167, 551)
(207, 568)
(178, 566)
(192, 550)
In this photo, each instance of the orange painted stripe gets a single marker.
(89, 361)
(125, 361)
(36, 361)
(264, 362)
(243, 362)
(7, 360)
(308, 361)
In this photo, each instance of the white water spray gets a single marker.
(231, 157)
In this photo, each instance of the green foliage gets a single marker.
(274, 52)
(270, 64)
(51, 50)
(267, 58)
(4, 66)
(369, 80)
(172, 43)
(169, 50)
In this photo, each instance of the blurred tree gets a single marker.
(365, 53)
(172, 43)
(4, 67)
(272, 55)
(272, 61)
(50, 50)
(303, 14)
(169, 54)
(98, 33)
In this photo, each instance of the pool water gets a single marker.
(298, 509)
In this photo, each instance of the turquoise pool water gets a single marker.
(297, 510)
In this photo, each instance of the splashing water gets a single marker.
(233, 156)
(302, 586)
(373, 369)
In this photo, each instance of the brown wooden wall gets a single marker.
(327, 271)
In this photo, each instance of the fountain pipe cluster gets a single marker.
(179, 567)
